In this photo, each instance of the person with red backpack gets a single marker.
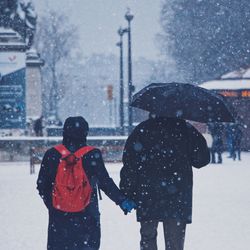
(70, 175)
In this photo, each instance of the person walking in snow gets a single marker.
(70, 228)
(236, 140)
(216, 129)
(229, 138)
(157, 174)
(38, 126)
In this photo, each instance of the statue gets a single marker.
(19, 16)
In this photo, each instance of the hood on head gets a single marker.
(76, 128)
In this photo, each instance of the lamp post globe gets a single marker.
(128, 16)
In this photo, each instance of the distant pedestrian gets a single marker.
(157, 174)
(236, 141)
(38, 126)
(229, 138)
(216, 130)
(71, 174)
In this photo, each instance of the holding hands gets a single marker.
(127, 206)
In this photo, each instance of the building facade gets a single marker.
(235, 88)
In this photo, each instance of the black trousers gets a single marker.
(174, 234)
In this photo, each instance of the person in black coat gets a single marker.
(236, 140)
(80, 230)
(157, 174)
(216, 129)
(38, 126)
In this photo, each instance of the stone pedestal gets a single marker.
(33, 85)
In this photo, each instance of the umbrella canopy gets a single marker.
(182, 100)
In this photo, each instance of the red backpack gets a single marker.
(72, 190)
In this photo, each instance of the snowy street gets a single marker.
(221, 214)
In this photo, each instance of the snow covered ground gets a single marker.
(221, 218)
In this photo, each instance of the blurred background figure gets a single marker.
(229, 138)
(236, 141)
(38, 126)
(216, 130)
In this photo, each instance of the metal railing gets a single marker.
(19, 148)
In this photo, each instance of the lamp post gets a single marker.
(129, 17)
(121, 32)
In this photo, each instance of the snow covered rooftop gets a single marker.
(234, 84)
(242, 73)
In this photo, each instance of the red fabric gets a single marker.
(72, 190)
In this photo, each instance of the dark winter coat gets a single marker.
(76, 230)
(217, 131)
(157, 171)
(236, 136)
(38, 126)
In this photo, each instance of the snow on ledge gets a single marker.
(234, 84)
(57, 138)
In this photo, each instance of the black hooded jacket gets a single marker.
(157, 168)
(63, 233)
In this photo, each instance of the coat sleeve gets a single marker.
(105, 182)
(199, 154)
(44, 183)
(128, 174)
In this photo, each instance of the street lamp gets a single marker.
(121, 32)
(129, 17)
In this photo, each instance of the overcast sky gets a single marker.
(99, 20)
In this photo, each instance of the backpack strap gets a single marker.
(79, 153)
(62, 150)
(83, 151)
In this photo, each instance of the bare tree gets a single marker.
(206, 39)
(56, 40)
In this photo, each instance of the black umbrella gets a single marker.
(182, 100)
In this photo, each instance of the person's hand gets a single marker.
(127, 206)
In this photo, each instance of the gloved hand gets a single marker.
(127, 206)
